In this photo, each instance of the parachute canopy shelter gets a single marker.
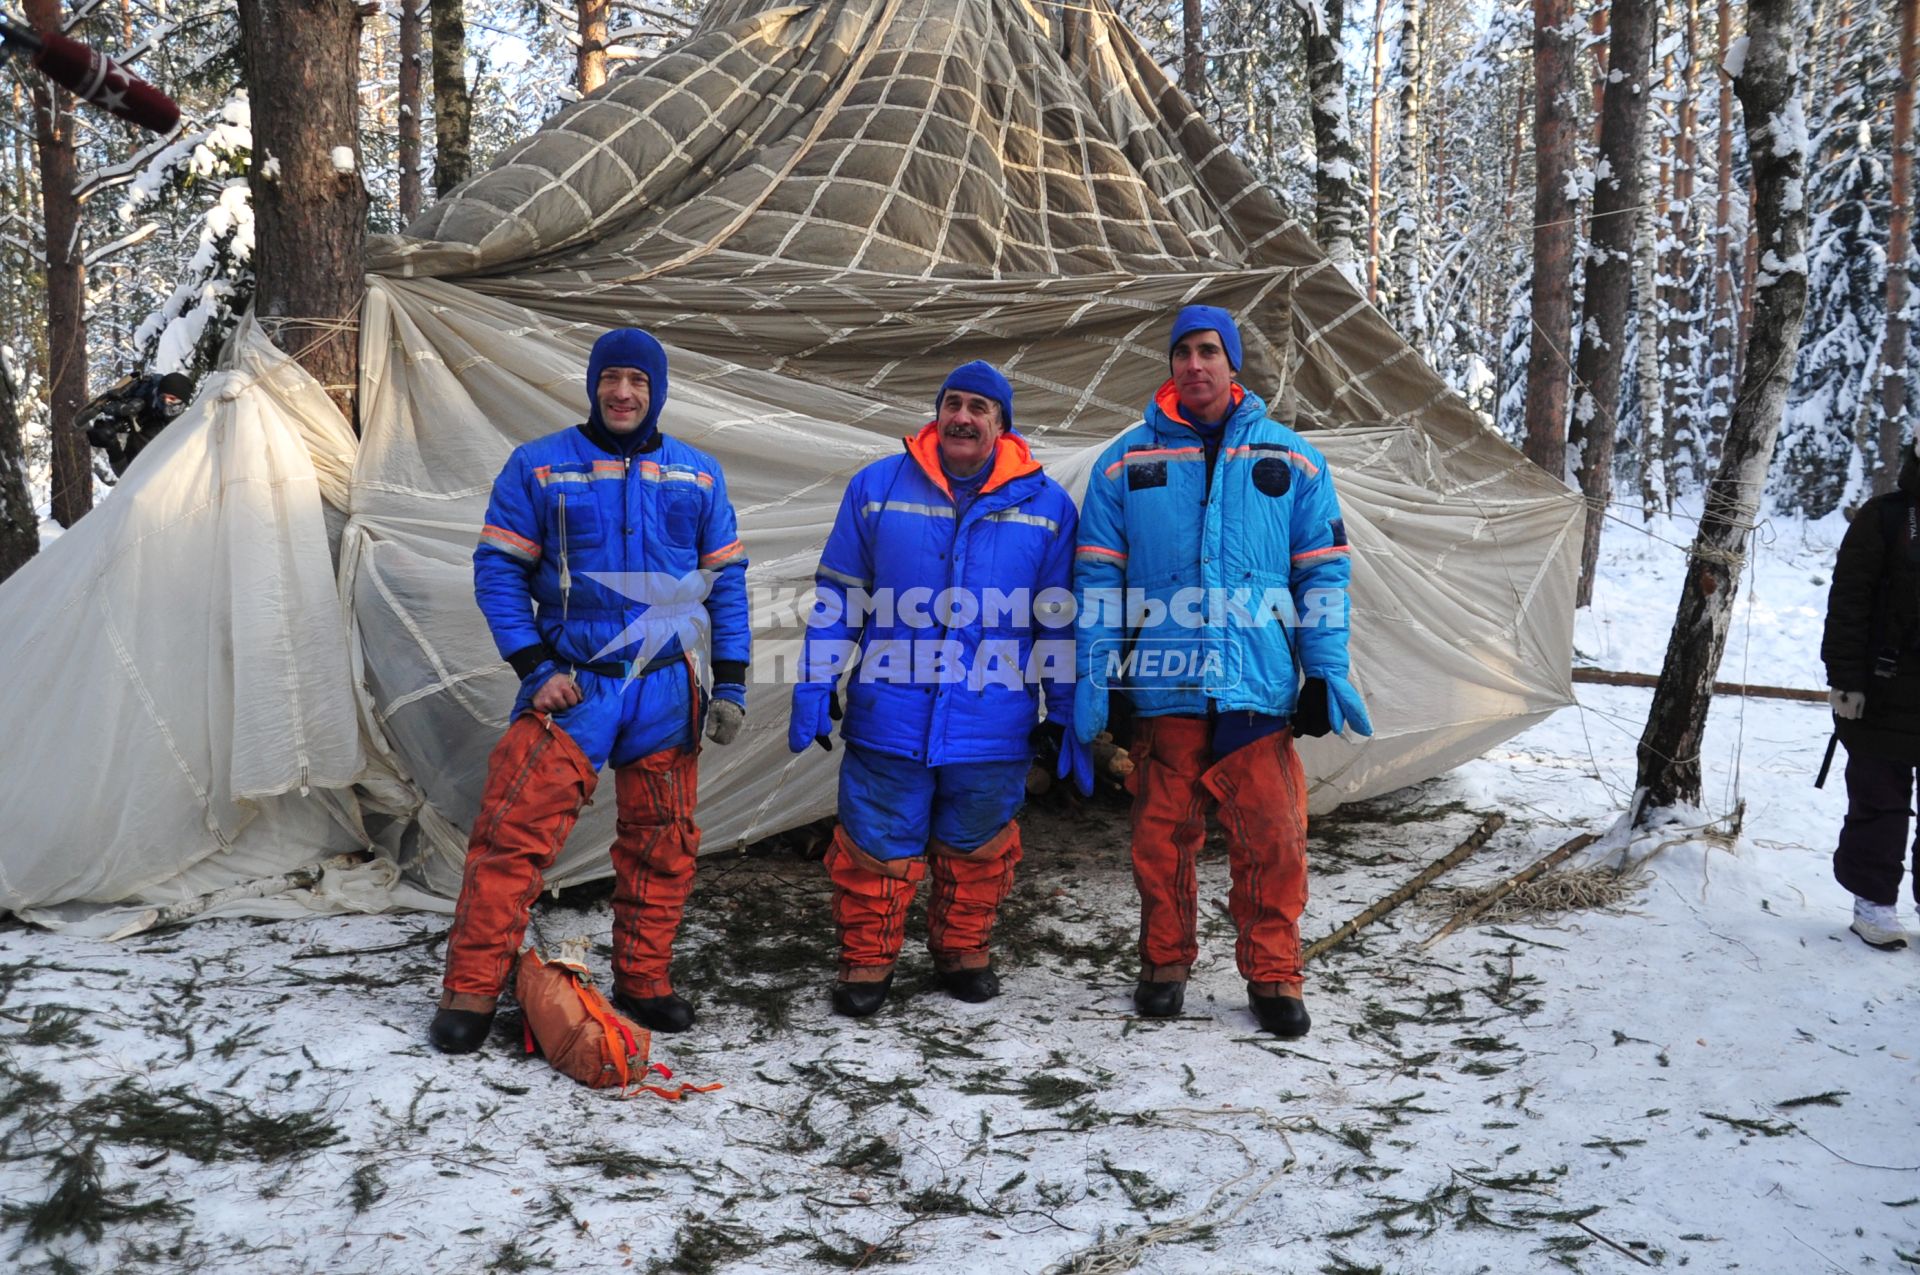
(265, 651)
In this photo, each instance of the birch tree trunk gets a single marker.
(1553, 236)
(412, 27)
(452, 106)
(1892, 363)
(66, 282)
(1677, 324)
(1610, 262)
(591, 61)
(301, 60)
(19, 529)
(1373, 150)
(1409, 185)
(1769, 87)
(1338, 208)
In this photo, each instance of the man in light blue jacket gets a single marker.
(1211, 587)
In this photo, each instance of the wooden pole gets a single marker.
(1511, 884)
(1453, 858)
(1607, 677)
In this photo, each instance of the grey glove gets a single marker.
(724, 720)
(1848, 705)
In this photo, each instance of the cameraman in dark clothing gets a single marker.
(122, 422)
(1872, 652)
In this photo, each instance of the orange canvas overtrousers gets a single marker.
(1261, 794)
(654, 849)
(871, 897)
(537, 782)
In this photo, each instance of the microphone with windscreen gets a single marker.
(92, 75)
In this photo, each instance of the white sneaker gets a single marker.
(1878, 925)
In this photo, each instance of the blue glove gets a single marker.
(1344, 706)
(1089, 710)
(1076, 759)
(816, 707)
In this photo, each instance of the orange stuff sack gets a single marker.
(573, 1025)
(583, 1036)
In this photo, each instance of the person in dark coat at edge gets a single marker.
(1207, 499)
(123, 422)
(1871, 648)
(588, 529)
(942, 701)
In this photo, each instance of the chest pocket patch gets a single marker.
(680, 514)
(1272, 476)
(1142, 474)
(579, 519)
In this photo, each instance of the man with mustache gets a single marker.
(1209, 498)
(945, 585)
(589, 530)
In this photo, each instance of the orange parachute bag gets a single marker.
(581, 1034)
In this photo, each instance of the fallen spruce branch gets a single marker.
(1512, 883)
(1453, 858)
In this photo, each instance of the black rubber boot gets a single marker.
(657, 1013)
(858, 1000)
(972, 986)
(459, 1031)
(1284, 1016)
(1159, 1000)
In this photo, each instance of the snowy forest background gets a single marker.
(1437, 161)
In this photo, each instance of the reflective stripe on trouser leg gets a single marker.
(537, 781)
(654, 848)
(1262, 791)
(1169, 825)
(968, 888)
(870, 898)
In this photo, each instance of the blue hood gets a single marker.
(628, 347)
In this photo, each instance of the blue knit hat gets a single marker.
(983, 379)
(1207, 318)
(628, 347)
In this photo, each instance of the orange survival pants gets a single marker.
(871, 896)
(537, 782)
(1261, 794)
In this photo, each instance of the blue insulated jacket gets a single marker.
(967, 690)
(564, 503)
(1218, 578)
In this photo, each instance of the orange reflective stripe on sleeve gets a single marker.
(1319, 553)
(724, 555)
(1101, 552)
(508, 542)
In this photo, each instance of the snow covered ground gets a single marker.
(1713, 1074)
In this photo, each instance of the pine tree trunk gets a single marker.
(592, 59)
(1610, 261)
(66, 283)
(19, 529)
(1193, 52)
(1373, 150)
(1553, 237)
(452, 107)
(1769, 89)
(1656, 480)
(1337, 206)
(301, 59)
(1409, 186)
(1720, 365)
(412, 27)
(1676, 331)
(1893, 349)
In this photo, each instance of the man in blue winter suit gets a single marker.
(945, 587)
(1211, 581)
(607, 548)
